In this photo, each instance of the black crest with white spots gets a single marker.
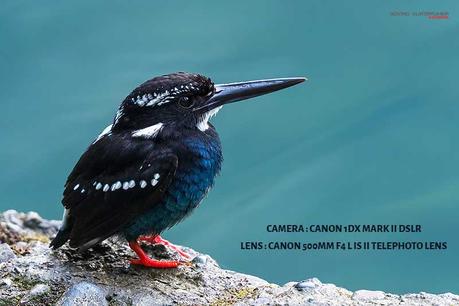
(168, 98)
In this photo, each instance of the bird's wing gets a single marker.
(114, 181)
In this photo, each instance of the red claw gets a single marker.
(146, 261)
(158, 240)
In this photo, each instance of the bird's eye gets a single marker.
(185, 102)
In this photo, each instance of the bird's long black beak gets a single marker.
(233, 92)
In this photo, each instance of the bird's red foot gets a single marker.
(152, 263)
(146, 261)
(158, 240)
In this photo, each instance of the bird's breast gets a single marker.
(199, 163)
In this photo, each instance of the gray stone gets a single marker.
(84, 294)
(39, 289)
(151, 300)
(308, 284)
(200, 260)
(6, 253)
(22, 245)
(50, 226)
(263, 301)
(32, 220)
(13, 217)
(368, 295)
(6, 282)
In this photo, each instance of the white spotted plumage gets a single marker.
(116, 186)
(121, 185)
(148, 132)
(106, 131)
(131, 184)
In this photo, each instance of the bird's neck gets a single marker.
(200, 159)
(204, 150)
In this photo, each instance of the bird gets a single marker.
(153, 165)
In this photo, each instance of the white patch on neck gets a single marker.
(106, 131)
(203, 124)
(148, 132)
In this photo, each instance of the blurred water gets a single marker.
(371, 138)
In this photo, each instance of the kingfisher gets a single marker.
(153, 165)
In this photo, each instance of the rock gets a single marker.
(151, 300)
(6, 253)
(84, 294)
(200, 260)
(38, 290)
(32, 274)
(32, 220)
(29, 224)
(6, 282)
(307, 284)
(13, 217)
(367, 295)
(35, 293)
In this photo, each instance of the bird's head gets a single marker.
(186, 100)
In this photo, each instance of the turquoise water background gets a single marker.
(371, 138)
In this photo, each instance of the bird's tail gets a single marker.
(61, 238)
(64, 232)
